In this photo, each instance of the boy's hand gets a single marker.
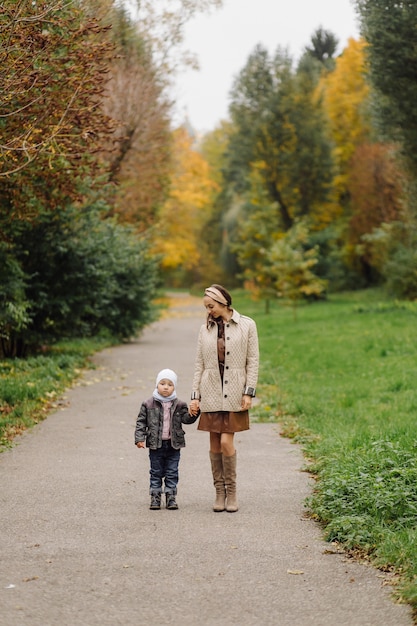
(140, 444)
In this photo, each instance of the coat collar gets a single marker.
(235, 318)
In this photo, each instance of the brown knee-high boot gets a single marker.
(229, 469)
(218, 481)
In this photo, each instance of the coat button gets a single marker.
(225, 395)
(227, 367)
(225, 382)
(227, 352)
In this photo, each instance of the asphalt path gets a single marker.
(80, 547)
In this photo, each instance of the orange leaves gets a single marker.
(376, 186)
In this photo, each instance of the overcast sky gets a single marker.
(224, 39)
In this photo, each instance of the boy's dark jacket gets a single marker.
(150, 421)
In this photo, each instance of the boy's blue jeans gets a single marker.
(164, 465)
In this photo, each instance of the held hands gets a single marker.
(246, 404)
(194, 407)
(140, 444)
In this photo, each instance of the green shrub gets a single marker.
(401, 272)
(85, 276)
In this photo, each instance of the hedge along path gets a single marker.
(80, 547)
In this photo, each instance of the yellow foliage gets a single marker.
(187, 210)
(345, 94)
(213, 148)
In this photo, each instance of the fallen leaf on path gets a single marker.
(336, 551)
(296, 572)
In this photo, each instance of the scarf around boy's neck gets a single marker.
(158, 396)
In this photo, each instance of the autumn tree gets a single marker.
(54, 67)
(254, 239)
(53, 64)
(376, 186)
(389, 29)
(345, 94)
(163, 23)
(179, 233)
(149, 53)
(221, 229)
(292, 262)
(138, 151)
(277, 265)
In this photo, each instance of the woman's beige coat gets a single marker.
(240, 366)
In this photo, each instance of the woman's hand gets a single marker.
(246, 402)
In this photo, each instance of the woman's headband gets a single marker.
(215, 294)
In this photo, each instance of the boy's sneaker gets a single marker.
(171, 502)
(155, 501)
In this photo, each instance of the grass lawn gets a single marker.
(30, 387)
(342, 380)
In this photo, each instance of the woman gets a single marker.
(225, 377)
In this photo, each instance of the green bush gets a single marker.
(82, 276)
(14, 316)
(401, 272)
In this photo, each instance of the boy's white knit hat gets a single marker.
(169, 374)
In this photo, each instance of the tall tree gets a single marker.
(163, 22)
(149, 46)
(213, 147)
(323, 47)
(250, 95)
(53, 63)
(254, 239)
(279, 125)
(139, 150)
(389, 27)
(345, 93)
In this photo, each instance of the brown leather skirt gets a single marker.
(224, 421)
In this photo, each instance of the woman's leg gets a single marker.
(229, 471)
(227, 446)
(215, 445)
(216, 459)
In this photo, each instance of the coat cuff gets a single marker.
(195, 395)
(250, 391)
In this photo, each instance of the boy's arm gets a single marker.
(188, 417)
(141, 427)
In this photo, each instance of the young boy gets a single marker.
(159, 424)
